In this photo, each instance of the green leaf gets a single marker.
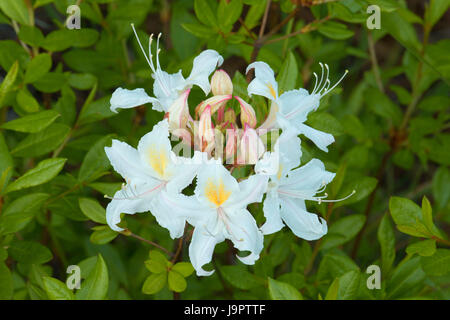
(29, 252)
(335, 265)
(282, 291)
(42, 173)
(20, 212)
(349, 285)
(6, 163)
(26, 101)
(183, 268)
(95, 287)
(158, 256)
(57, 290)
(102, 235)
(239, 277)
(407, 216)
(33, 122)
(326, 122)
(362, 186)
(95, 162)
(405, 280)
(437, 264)
(229, 12)
(423, 248)
(6, 282)
(386, 238)
(92, 209)
(52, 82)
(38, 67)
(199, 30)
(8, 82)
(156, 266)
(205, 13)
(441, 193)
(31, 35)
(287, 77)
(427, 213)
(335, 30)
(42, 142)
(380, 104)
(333, 290)
(343, 231)
(176, 281)
(16, 10)
(154, 283)
(435, 11)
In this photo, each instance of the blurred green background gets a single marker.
(390, 118)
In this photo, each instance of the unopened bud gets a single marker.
(205, 128)
(178, 112)
(248, 115)
(251, 147)
(229, 116)
(221, 83)
(215, 102)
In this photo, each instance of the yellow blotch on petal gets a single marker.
(216, 194)
(158, 160)
(272, 91)
(280, 171)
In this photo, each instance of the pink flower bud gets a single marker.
(214, 102)
(205, 129)
(231, 144)
(178, 112)
(248, 115)
(221, 83)
(251, 147)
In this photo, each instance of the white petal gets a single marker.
(167, 88)
(303, 224)
(155, 151)
(308, 178)
(268, 164)
(321, 139)
(271, 210)
(245, 235)
(201, 250)
(250, 190)
(125, 160)
(125, 99)
(167, 210)
(290, 151)
(136, 197)
(264, 83)
(204, 64)
(215, 185)
(296, 104)
(184, 171)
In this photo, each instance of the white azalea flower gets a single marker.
(285, 200)
(292, 107)
(218, 212)
(167, 87)
(152, 173)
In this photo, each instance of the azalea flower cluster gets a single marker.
(156, 176)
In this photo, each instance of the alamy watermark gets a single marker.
(74, 280)
(73, 21)
(374, 20)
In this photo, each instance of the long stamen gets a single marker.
(327, 69)
(318, 199)
(335, 85)
(321, 76)
(142, 48)
(134, 195)
(315, 82)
